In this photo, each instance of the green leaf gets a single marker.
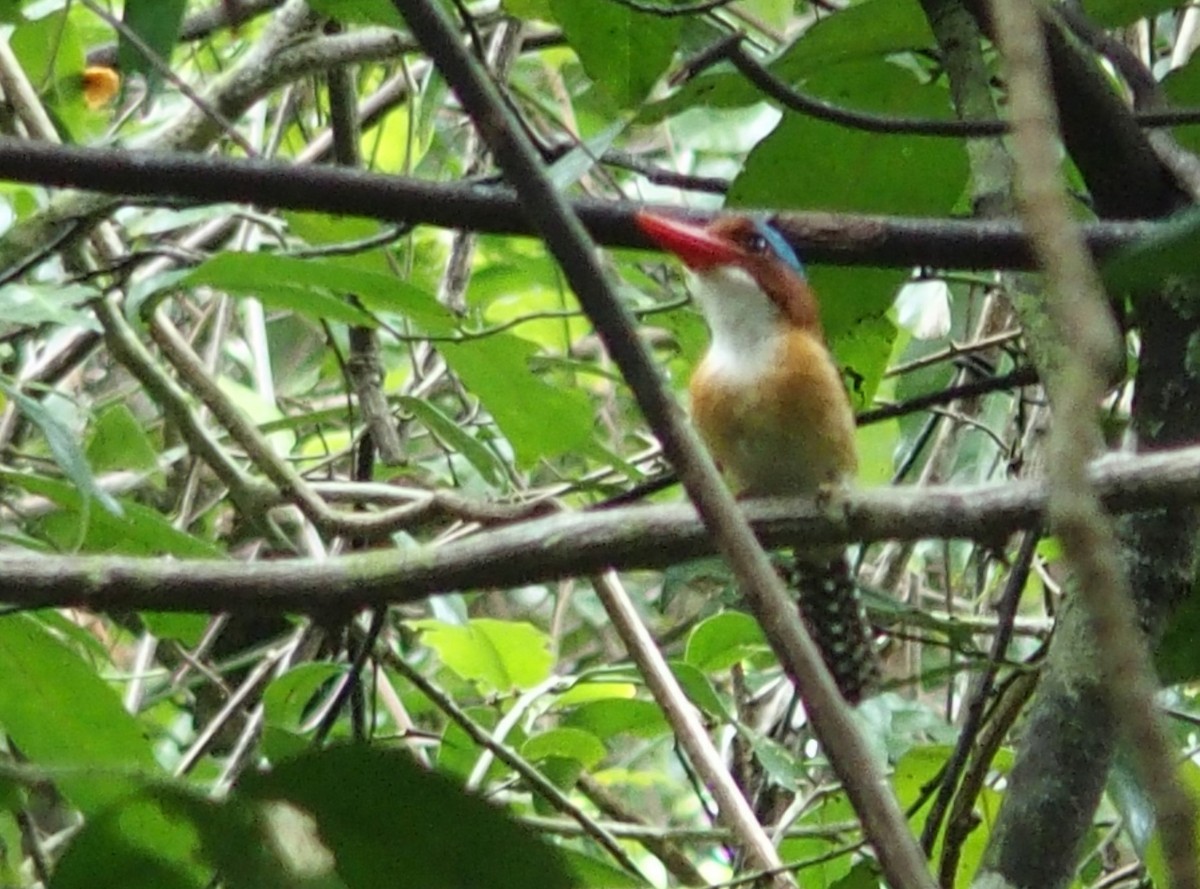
(538, 419)
(49, 49)
(529, 9)
(156, 24)
(876, 452)
(1170, 253)
(455, 437)
(593, 872)
(388, 823)
(58, 712)
(623, 51)
(134, 845)
(287, 699)
(458, 754)
(365, 12)
(699, 690)
(860, 31)
(322, 285)
(279, 282)
(33, 304)
(502, 655)
(779, 763)
(167, 835)
(1119, 13)
(565, 743)
(119, 441)
(819, 867)
(615, 716)
(864, 875)
(139, 530)
(1152, 852)
(64, 445)
(187, 629)
(1177, 657)
(862, 352)
(723, 640)
(815, 165)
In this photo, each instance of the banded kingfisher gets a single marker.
(768, 400)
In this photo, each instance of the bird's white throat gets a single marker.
(745, 326)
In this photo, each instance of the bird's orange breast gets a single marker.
(787, 429)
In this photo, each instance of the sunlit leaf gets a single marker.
(503, 655)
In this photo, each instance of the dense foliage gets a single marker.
(238, 431)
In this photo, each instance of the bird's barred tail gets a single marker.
(833, 612)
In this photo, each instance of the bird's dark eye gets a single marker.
(755, 243)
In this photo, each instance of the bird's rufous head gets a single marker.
(742, 243)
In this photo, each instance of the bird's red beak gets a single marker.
(696, 246)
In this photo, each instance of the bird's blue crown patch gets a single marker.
(781, 247)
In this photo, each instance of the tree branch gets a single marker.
(820, 237)
(571, 544)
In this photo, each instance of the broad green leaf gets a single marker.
(594, 872)
(156, 25)
(455, 437)
(565, 743)
(622, 50)
(779, 763)
(139, 530)
(366, 12)
(876, 452)
(167, 835)
(586, 692)
(278, 282)
(58, 712)
(528, 9)
(580, 160)
(861, 31)
(186, 629)
(457, 754)
(607, 718)
(723, 640)
(699, 690)
(119, 441)
(1119, 13)
(864, 875)
(135, 845)
(1169, 254)
(1182, 89)
(538, 419)
(387, 823)
(1177, 657)
(502, 655)
(64, 445)
(1152, 852)
(259, 410)
(49, 49)
(287, 699)
(321, 287)
(33, 303)
(863, 352)
(391, 146)
(818, 865)
(810, 164)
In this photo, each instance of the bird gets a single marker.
(769, 402)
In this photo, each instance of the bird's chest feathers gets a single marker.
(770, 403)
